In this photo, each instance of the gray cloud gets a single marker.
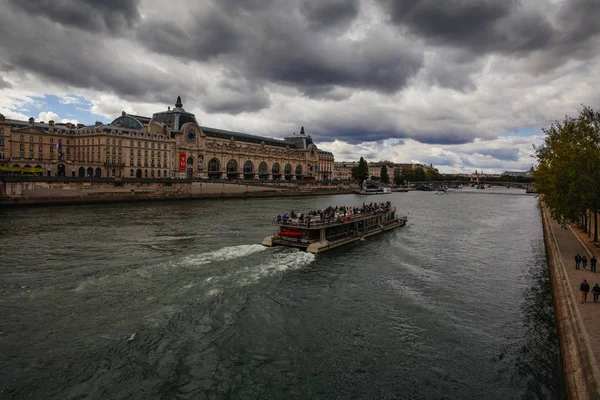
(235, 95)
(501, 154)
(478, 25)
(4, 84)
(92, 15)
(498, 26)
(41, 47)
(274, 43)
(324, 14)
(209, 34)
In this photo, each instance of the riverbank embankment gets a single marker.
(91, 192)
(578, 324)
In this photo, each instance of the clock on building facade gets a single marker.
(191, 136)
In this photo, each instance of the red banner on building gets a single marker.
(182, 161)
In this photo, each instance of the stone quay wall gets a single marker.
(579, 363)
(70, 192)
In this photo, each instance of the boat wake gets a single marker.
(277, 262)
(225, 254)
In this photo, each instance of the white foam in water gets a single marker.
(282, 262)
(225, 254)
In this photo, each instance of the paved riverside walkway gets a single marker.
(578, 324)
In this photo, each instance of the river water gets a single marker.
(178, 300)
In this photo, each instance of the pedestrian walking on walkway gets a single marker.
(584, 262)
(577, 260)
(585, 289)
(593, 262)
(596, 292)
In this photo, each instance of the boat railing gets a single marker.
(338, 220)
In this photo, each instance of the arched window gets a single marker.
(214, 168)
(90, 172)
(248, 170)
(214, 165)
(232, 169)
(232, 166)
(99, 172)
(288, 172)
(275, 171)
(190, 160)
(81, 172)
(263, 171)
(298, 172)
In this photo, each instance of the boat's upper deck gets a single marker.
(334, 218)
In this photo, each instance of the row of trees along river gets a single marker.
(568, 172)
(360, 173)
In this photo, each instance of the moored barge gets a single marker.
(323, 230)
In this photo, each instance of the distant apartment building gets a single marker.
(342, 170)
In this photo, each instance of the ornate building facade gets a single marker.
(170, 144)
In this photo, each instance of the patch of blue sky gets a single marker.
(67, 107)
(523, 132)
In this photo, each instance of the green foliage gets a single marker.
(568, 172)
(385, 178)
(361, 171)
(399, 180)
(416, 175)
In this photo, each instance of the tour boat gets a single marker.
(373, 190)
(333, 227)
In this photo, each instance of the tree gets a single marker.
(385, 178)
(361, 171)
(418, 175)
(399, 180)
(568, 172)
(432, 175)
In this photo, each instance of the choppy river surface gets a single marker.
(179, 300)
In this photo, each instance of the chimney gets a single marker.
(98, 123)
(69, 125)
(51, 123)
(31, 120)
(79, 126)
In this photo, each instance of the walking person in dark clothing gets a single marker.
(593, 262)
(584, 262)
(577, 260)
(584, 288)
(596, 292)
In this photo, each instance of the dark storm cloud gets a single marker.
(274, 43)
(235, 95)
(211, 33)
(92, 15)
(503, 26)
(329, 13)
(479, 25)
(40, 46)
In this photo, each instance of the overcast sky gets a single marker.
(460, 84)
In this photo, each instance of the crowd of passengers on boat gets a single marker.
(331, 214)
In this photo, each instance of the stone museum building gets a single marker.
(170, 144)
